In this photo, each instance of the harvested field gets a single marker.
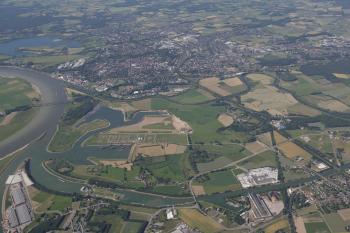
(342, 76)
(255, 147)
(198, 190)
(279, 138)
(233, 82)
(199, 221)
(262, 78)
(299, 224)
(144, 104)
(280, 225)
(212, 84)
(333, 105)
(160, 150)
(293, 151)
(270, 99)
(225, 119)
(301, 109)
(265, 138)
(344, 214)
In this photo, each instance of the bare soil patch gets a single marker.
(269, 99)
(233, 82)
(255, 147)
(299, 224)
(160, 149)
(292, 151)
(8, 118)
(225, 119)
(180, 125)
(212, 84)
(198, 190)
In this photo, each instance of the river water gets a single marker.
(46, 122)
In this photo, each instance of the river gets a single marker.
(46, 122)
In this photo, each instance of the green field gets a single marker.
(49, 61)
(15, 93)
(221, 181)
(168, 171)
(67, 135)
(133, 227)
(226, 154)
(51, 202)
(193, 96)
(115, 220)
(335, 222)
(316, 227)
(264, 159)
(197, 116)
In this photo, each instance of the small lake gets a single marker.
(11, 48)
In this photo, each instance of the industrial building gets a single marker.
(258, 176)
(19, 214)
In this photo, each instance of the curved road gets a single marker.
(52, 91)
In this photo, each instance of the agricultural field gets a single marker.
(265, 97)
(49, 61)
(193, 96)
(67, 135)
(197, 116)
(309, 220)
(342, 76)
(265, 138)
(199, 221)
(16, 99)
(293, 151)
(223, 87)
(16, 93)
(337, 221)
(264, 159)
(225, 119)
(43, 202)
(282, 224)
(163, 174)
(153, 135)
(255, 147)
(225, 154)
(159, 149)
(319, 92)
(320, 142)
(130, 107)
(290, 149)
(219, 181)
